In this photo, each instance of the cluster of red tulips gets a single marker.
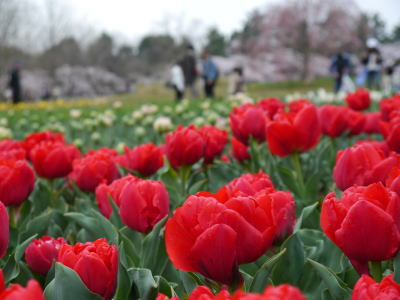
(305, 210)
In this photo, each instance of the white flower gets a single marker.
(95, 136)
(117, 104)
(75, 113)
(139, 131)
(120, 148)
(162, 124)
(148, 109)
(5, 133)
(137, 115)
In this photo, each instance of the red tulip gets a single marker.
(333, 120)
(355, 122)
(184, 146)
(361, 164)
(248, 184)
(40, 253)
(213, 238)
(281, 292)
(364, 223)
(17, 181)
(143, 203)
(215, 140)
(359, 100)
(146, 159)
(389, 105)
(297, 105)
(96, 264)
(294, 132)
(372, 122)
(93, 169)
(104, 191)
(283, 210)
(37, 137)
(33, 291)
(381, 145)
(271, 106)
(391, 132)
(53, 160)
(4, 230)
(240, 151)
(248, 121)
(12, 149)
(367, 289)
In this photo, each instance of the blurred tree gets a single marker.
(158, 50)
(66, 52)
(394, 36)
(244, 41)
(216, 42)
(307, 27)
(378, 27)
(100, 52)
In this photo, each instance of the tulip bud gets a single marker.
(96, 264)
(40, 253)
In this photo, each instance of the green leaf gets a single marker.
(124, 284)
(306, 212)
(262, 276)
(290, 266)
(144, 283)
(67, 285)
(19, 251)
(97, 226)
(396, 265)
(39, 225)
(337, 288)
(154, 255)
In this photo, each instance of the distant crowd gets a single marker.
(185, 74)
(374, 72)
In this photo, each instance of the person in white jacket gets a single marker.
(178, 81)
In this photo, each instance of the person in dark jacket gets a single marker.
(15, 84)
(189, 68)
(210, 74)
(340, 65)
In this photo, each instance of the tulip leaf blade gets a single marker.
(124, 283)
(396, 264)
(19, 251)
(144, 283)
(306, 212)
(290, 266)
(96, 225)
(337, 288)
(154, 255)
(67, 285)
(262, 275)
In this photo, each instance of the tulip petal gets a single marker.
(218, 261)
(368, 233)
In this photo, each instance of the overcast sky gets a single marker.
(134, 18)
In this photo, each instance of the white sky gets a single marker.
(134, 18)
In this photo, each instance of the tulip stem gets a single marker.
(11, 215)
(295, 158)
(376, 270)
(184, 173)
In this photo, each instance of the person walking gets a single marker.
(339, 68)
(189, 67)
(178, 81)
(210, 74)
(373, 63)
(15, 83)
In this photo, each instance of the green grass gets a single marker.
(157, 93)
